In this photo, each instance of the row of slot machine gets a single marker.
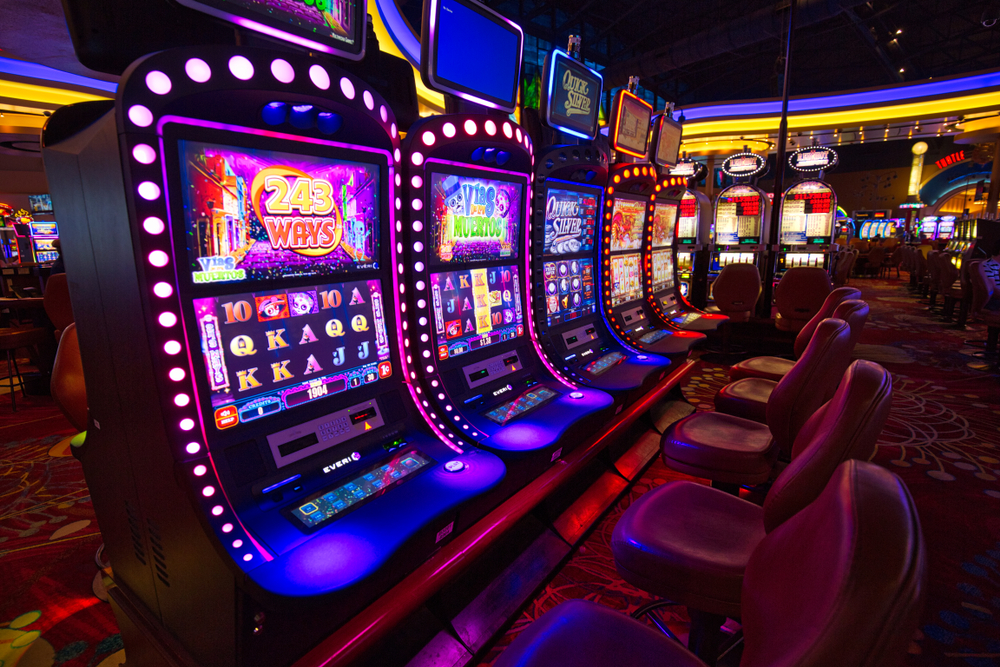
(937, 228)
(25, 240)
(316, 350)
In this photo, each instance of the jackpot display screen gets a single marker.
(737, 215)
(807, 211)
(628, 219)
(570, 222)
(626, 279)
(252, 214)
(569, 290)
(664, 217)
(273, 350)
(663, 269)
(474, 219)
(687, 220)
(475, 308)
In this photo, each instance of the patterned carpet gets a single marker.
(941, 439)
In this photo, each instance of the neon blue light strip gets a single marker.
(556, 54)
(36, 71)
(877, 97)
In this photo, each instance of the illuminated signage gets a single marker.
(954, 158)
(573, 95)
(813, 158)
(744, 164)
(668, 141)
(630, 134)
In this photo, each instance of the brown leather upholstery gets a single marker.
(746, 398)
(736, 290)
(67, 385)
(720, 447)
(841, 583)
(833, 299)
(690, 543)
(799, 296)
(57, 304)
(765, 368)
(855, 313)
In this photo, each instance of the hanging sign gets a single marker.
(813, 158)
(744, 164)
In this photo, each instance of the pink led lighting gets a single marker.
(167, 319)
(490, 127)
(418, 227)
(428, 138)
(158, 258)
(320, 77)
(248, 557)
(417, 204)
(198, 70)
(448, 129)
(153, 225)
(149, 190)
(417, 159)
(200, 470)
(208, 491)
(140, 115)
(193, 448)
(237, 544)
(470, 127)
(399, 180)
(396, 155)
(186, 424)
(227, 527)
(346, 87)
(383, 113)
(163, 290)
(419, 247)
(517, 133)
(507, 131)
(399, 205)
(282, 70)
(177, 374)
(158, 82)
(416, 181)
(144, 153)
(217, 510)
(368, 100)
(181, 400)
(172, 347)
(241, 68)
(392, 130)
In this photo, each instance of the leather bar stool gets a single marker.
(748, 397)
(805, 603)
(68, 389)
(774, 368)
(733, 450)
(799, 296)
(735, 291)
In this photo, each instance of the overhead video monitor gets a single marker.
(668, 141)
(569, 290)
(570, 222)
(40, 203)
(626, 279)
(475, 308)
(474, 218)
(274, 350)
(664, 219)
(571, 100)
(252, 214)
(630, 128)
(628, 219)
(471, 51)
(331, 26)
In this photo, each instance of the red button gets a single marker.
(226, 417)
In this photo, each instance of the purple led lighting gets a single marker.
(417, 158)
(140, 115)
(418, 227)
(396, 155)
(186, 424)
(208, 491)
(163, 290)
(177, 374)
(182, 400)
(158, 82)
(217, 510)
(428, 139)
(144, 154)
(320, 77)
(198, 70)
(227, 527)
(248, 557)
(347, 87)
(282, 70)
(237, 544)
(241, 68)
(172, 347)
(167, 319)
(149, 190)
(200, 470)
(383, 113)
(280, 34)
(159, 258)
(368, 100)
(193, 448)
(417, 204)
(153, 225)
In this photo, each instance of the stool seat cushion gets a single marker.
(690, 544)
(746, 398)
(768, 368)
(720, 447)
(579, 633)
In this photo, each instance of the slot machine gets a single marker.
(259, 466)
(631, 199)
(742, 217)
(43, 234)
(469, 321)
(693, 233)
(946, 228)
(569, 190)
(928, 228)
(808, 212)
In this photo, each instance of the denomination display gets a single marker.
(269, 351)
(664, 218)
(253, 214)
(628, 219)
(737, 215)
(569, 290)
(807, 211)
(626, 279)
(687, 221)
(475, 308)
(663, 269)
(570, 221)
(474, 219)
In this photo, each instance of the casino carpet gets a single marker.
(941, 439)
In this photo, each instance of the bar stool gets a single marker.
(799, 296)
(12, 340)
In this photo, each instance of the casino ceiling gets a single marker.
(712, 50)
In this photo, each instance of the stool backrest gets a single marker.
(736, 290)
(67, 386)
(833, 300)
(846, 427)
(801, 291)
(840, 583)
(855, 313)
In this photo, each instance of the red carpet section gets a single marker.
(941, 439)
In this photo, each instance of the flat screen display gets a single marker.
(269, 351)
(668, 144)
(626, 279)
(40, 203)
(807, 211)
(474, 51)
(664, 218)
(687, 221)
(475, 308)
(570, 222)
(632, 129)
(44, 229)
(945, 230)
(474, 219)
(663, 269)
(572, 99)
(738, 215)
(628, 219)
(569, 290)
(253, 214)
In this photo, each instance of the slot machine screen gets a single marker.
(668, 142)
(738, 215)
(475, 308)
(626, 279)
(664, 218)
(631, 132)
(273, 350)
(570, 222)
(687, 221)
(663, 269)
(44, 228)
(253, 215)
(628, 219)
(473, 218)
(569, 290)
(40, 203)
(945, 229)
(807, 212)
